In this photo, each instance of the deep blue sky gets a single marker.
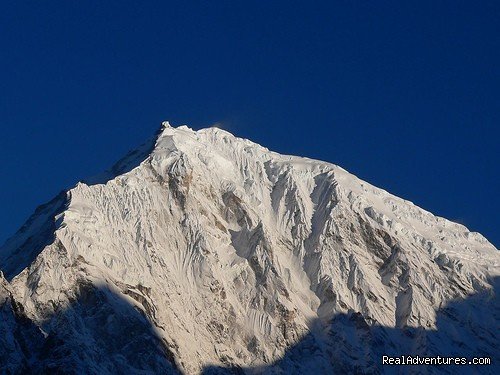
(403, 94)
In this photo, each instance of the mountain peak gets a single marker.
(236, 254)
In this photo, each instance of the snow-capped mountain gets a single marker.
(200, 252)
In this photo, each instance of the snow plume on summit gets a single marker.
(200, 252)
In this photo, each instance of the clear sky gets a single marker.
(403, 94)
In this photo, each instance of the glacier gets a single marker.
(201, 252)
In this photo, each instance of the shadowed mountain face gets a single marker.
(98, 332)
(204, 253)
(101, 332)
(333, 348)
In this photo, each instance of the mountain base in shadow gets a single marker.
(100, 332)
(350, 344)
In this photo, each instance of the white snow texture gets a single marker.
(201, 252)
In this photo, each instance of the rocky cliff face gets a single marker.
(203, 252)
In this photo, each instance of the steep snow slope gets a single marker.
(201, 251)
